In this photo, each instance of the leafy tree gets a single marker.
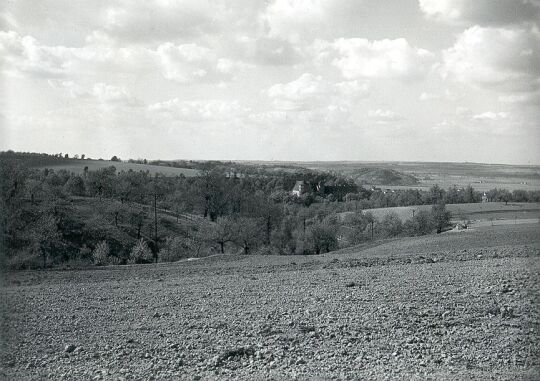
(354, 226)
(248, 233)
(75, 186)
(371, 220)
(391, 225)
(116, 211)
(440, 217)
(44, 236)
(436, 194)
(420, 224)
(323, 235)
(519, 195)
(469, 195)
(101, 182)
(174, 249)
(222, 232)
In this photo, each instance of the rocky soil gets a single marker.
(447, 307)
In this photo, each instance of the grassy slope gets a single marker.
(77, 166)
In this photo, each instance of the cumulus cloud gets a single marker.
(184, 63)
(161, 19)
(428, 97)
(25, 54)
(310, 91)
(198, 110)
(503, 58)
(325, 117)
(267, 50)
(190, 63)
(484, 12)
(8, 21)
(101, 94)
(289, 19)
(491, 115)
(304, 20)
(361, 58)
(521, 98)
(384, 116)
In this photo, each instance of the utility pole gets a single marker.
(155, 226)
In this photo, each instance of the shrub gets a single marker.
(100, 255)
(175, 248)
(141, 253)
(26, 259)
(85, 252)
(391, 225)
(267, 250)
(421, 224)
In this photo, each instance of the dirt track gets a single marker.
(453, 306)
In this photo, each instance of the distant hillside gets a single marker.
(383, 176)
(77, 166)
(36, 160)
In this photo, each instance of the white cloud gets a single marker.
(272, 117)
(290, 19)
(301, 21)
(491, 115)
(504, 58)
(267, 50)
(25, 54)
(485, 12)
(384, 116)
(199, 110)
(446, 95)
(188, 63)
(7, 21)
(521, 98)
(310, 91)
(184, 63)
(361, 58)
(100, 94)
(161, 19)
(112, 95)
(428, 97)
(298, 94)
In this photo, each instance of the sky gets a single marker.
(302, 80)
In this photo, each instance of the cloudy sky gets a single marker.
(429, 80)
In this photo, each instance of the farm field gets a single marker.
(473, 211)
(481, 176)
(446, 307)
(77, 166)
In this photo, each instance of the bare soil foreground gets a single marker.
(450, 307)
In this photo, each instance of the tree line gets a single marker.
(107, 216)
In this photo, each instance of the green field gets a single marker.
(77, 166)
(474, 212)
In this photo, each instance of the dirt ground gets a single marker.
(445, 307)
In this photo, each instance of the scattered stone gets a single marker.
(70, 348)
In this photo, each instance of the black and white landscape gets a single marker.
(282, 189)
